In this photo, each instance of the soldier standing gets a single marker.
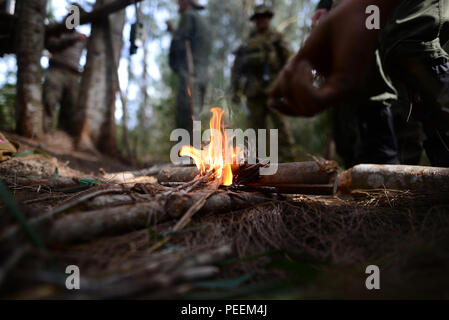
(62, 80)
(189, 59)
(257, 63)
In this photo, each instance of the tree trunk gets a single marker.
(99, 83)
(29, 47)
(141, 113)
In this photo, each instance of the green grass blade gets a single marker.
(13, 208)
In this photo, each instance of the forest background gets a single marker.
(148, 83)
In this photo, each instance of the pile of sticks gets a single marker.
(313, 178)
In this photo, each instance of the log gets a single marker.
(178, 174)
(83, 226)
(291, 178)
(426, 180)
(222, 202)
(314, 178)
(124, 177)
(301, 173)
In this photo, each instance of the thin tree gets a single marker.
(29, 47)
(99, 83)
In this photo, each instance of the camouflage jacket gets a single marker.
(66, 50)
(417, 28)
(258, 61)
(193, 28)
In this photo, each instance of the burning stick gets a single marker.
(291, 178)
(302, 178)
(221, 157)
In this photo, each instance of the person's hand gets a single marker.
(340, 49)
(318, 15)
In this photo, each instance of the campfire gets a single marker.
(226, 165)
(219, 155)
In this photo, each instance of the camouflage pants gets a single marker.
(183, 114)
(409, 131)
(363, 130)
(410, 44)
(425, 84)
(364, 133)
(61, 88)
(257, 119)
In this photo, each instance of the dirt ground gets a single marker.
(60, 146)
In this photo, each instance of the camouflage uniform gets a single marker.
(446, 47)
(193, 29)
(62, 80)
(363, 129)
(257, 63)
(410, 46)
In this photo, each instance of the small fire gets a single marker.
(218, 155)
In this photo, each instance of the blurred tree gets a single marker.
(29, 47)
(229, 23)
(99, 83)
(7, 98)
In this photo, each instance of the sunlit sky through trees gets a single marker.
(157, 43)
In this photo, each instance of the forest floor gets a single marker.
(121, 229)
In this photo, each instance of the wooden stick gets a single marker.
(220, 202)
(184, 220)
(83, 226)
(288, 173)
(426, 180)
(178, 174)
(12, 231)
(300, 173)
(314, 177)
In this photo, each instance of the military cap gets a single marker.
(262, 10)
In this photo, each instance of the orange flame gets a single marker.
(218, 155)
